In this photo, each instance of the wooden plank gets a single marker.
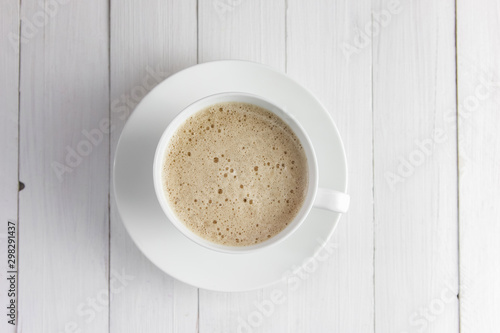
(478, 72)
(9, 80)
(338, 297)
(246, 30)
(64, 163)
(149, 41)
(255, 31)
(415, 177)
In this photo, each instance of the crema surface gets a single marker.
(235, 174)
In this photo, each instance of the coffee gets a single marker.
(235, 174)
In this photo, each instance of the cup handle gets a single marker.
(332, 200)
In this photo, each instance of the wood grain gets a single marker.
(478, 71)
(9, 67)
(246, 30)
(415, 178)
(63, 211)
(150, 40)
(254, 31)
(395, 76)
(342, 287)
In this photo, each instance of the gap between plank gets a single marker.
(458, 164)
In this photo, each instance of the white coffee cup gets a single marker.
(315, 197)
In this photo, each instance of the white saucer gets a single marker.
(143, 217)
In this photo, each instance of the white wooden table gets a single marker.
(414, 87)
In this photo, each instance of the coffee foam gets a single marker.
(235, 174)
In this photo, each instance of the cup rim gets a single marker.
(313, 176)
